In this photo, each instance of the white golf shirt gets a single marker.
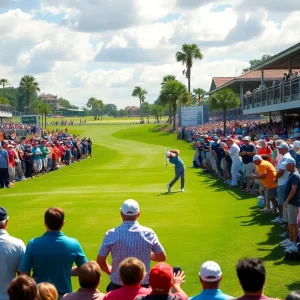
(281, 166)
(11, 251)
(234, 153)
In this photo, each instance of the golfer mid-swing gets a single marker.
(173, 156)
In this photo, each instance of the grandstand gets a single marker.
(271, 88)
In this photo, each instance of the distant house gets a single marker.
(51, 100)
(132, 110)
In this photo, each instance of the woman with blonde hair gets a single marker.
(47, 291)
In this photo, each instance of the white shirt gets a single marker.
(281, 166)
(11, 251)
(234, 153)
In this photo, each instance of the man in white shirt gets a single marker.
(234, 152)
(11, 251)
(282, 177)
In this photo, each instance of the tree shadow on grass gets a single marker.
(293, 286)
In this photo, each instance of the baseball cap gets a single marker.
(3, 214)
(290, 160)
(283, 145)
(210, 271)
(215, 138)
(240, 136)
(257, 157)
(246, 138)
(161, 277)
(130, 208)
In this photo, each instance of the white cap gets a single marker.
(290, 160)
(296, 144)
(130, 208)
(257, 157)
(283, 145)
(168, 154)
(210, 269)
(246, 138)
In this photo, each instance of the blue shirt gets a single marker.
(176, 161)
(211, 295)
(51, 258)
(3, 159)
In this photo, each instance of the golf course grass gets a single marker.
(207, 222)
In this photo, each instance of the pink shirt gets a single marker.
(84, 294)
(127, 292)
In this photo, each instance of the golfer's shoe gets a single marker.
(182, 190)
(168, 188)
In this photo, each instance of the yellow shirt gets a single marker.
(267, 168)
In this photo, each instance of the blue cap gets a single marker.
(292, 136)
(3, 214)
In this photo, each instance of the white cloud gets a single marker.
(78, 49)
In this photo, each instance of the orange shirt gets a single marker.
(267, 168)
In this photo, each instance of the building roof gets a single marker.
(48, 95)
(268, 74)
(283, 60)
(219, 81)
(255, 76)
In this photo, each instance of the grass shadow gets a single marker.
(168, 193)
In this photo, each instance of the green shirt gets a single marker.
(44, 151)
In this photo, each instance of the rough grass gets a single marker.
(207, 222)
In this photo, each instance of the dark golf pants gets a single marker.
(179, 173)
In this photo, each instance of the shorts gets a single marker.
(285, 214)
(292, 211)
(223, 164)
(44, 162)
(248, 169)
(38, 164)
(213, 163)
(271, 193)
(11, 171)
(280, 194)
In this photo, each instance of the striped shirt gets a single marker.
(129, 240)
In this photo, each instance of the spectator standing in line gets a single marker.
(265, 151)
(23, 288)
(210, 277)
(161, 281)
(28, 158)
(51, 256)
(89, 277)
(4, 177)
(129, 240)
(89, 147)
(11, 252)
(233, 152)
(266, 174)
(292, 203)
(173, 156)
(247, 152)
(282, 177)
(37, 162)
(251, 273)
(44, 154)
(132, 272)
(47, 291)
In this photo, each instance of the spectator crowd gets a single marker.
(31, 156)
(43, 269)
(260, 158)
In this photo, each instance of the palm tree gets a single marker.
(190, 52)
(146, 110)
(100, 107)
(223, 100)
(166, 79)
(174, 93)
(29, 85)
(4, 83)
(92, 103)
(141, 94)
(198, 94)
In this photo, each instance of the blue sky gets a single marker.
(97, 48)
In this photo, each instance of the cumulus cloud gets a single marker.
(276, 6)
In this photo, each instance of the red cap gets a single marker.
(161, 278)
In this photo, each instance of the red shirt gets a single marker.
(265, 150)
(127, 292)
(11, 157)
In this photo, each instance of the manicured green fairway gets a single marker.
(207, 222)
